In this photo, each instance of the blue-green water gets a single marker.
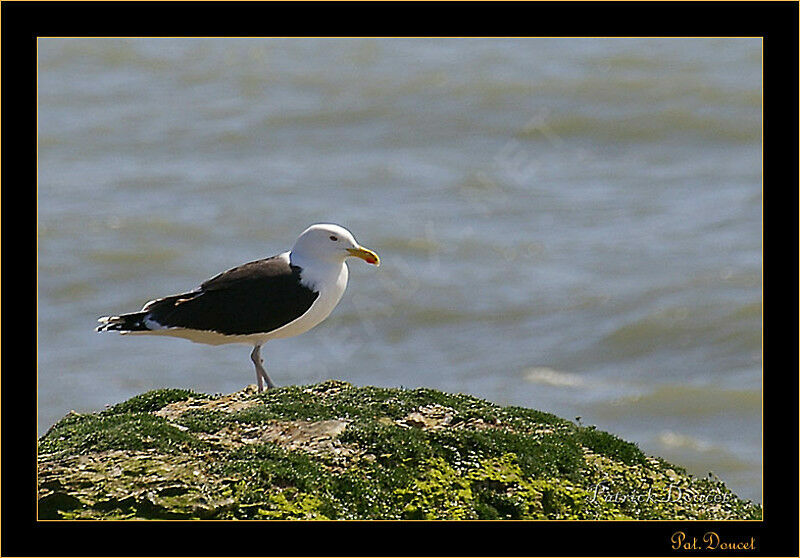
(569, 225)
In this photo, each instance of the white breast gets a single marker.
(330, 281)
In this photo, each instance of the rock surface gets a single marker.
(337, 451)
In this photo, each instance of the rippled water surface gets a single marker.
(570, 225)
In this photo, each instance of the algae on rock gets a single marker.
(337, 451)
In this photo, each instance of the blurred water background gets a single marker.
(572, 225)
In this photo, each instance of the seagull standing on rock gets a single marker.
(273, 298)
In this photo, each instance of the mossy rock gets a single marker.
(337, 451)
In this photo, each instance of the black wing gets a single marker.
(256, 297)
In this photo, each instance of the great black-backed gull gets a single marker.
(273, 298)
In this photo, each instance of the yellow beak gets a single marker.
(365, 254)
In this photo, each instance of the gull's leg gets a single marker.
(255, 356)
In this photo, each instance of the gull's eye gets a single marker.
(333, 238)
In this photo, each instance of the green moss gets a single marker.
(292, 505)
(336, 451)
(279, 481)
(391, 445)
(610, 445)
(525, 418)
(276, 484)
(339, 400)
(439, 493)
(326, 401)
(153, 401)
(336, 399)
(497, 488)
(203, 420)
(365, 492)
(78, 434)
(268, 465)
(538, 457)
